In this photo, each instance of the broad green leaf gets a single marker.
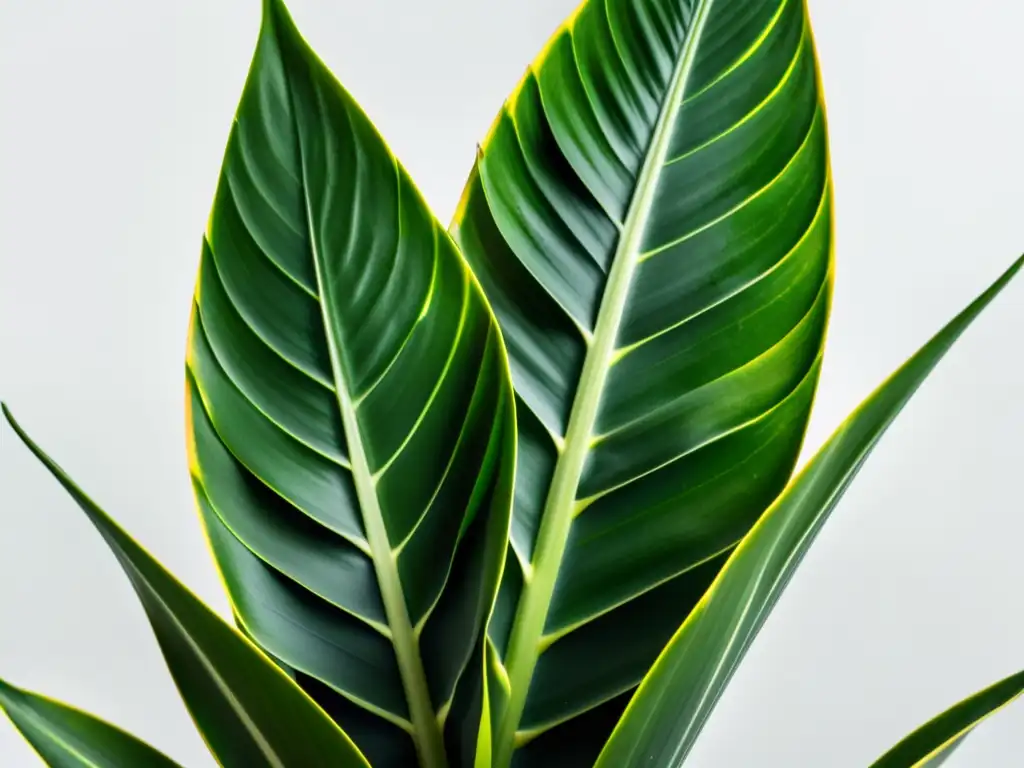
(676, 697)
(352, 433)
(249, 713)
(66, 737)
(650, 218)
(932, 744)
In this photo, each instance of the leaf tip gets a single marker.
(276, 16)
(28, 441)
(8, 694)
(1016, 266)
(1001, 282)
(15, 425)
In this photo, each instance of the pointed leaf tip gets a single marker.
(277, 17)
(1006, 277)
(270, 7)
(23, 436)
(6, 690)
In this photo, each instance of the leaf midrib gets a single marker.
(556, 520)
(427, 737)
(403, 637)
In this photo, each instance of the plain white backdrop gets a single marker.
(113, 119)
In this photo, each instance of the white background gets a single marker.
(113, 118)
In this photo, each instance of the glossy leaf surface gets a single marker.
(935, 741)
(351, 418)
(650, 218)
(65, 737)
(249, 713)
(676, 697)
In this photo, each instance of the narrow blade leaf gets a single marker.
(352, 433)
(931, 744)
(66, 737)
(250, 714)
(650, 217)
(676, 697)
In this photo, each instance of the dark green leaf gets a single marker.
(931, 744)
(250, 714)
(676, 697)
(66, 737)
(650, 217)
(351, 419)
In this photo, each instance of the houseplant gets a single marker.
(313, 376)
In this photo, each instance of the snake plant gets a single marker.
(516, 492)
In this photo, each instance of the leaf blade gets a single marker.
(66, 737)
(670, 707)
(650, 217)
(930, 745)
(248, 711)
(351, 421)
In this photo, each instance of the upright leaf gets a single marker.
(650, 217)
(250, 714)
(351, 419)
(676, 697)
(66, 737)
(934, 742)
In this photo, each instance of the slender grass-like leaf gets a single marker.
(351, 420)
(650, 218)
(250, 714)
(935, 741)
(65, 737)
(666, 714)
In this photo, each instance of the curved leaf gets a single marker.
(650, 218)
(931, 744)
(676, 697)
(351, 422)
(66, 737)
(249, 713)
